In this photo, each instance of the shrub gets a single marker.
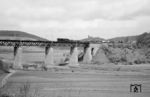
(22, 91)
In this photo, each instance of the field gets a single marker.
(86, 81)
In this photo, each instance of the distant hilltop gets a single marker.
(142, 39)
(18, 35)
(94, 39)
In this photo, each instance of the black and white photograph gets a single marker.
(74, 48)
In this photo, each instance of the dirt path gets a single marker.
(4, 79)
(2, 76)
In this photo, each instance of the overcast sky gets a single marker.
(76, 19)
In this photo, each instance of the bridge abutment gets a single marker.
(17, 64)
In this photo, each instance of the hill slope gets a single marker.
(143, 40)
(18, 35)
(124, 39)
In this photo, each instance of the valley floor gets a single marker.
(86, 81)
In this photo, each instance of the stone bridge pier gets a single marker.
(49, 56)
(73, 56)
(89, 52)
(87, 55)
(17, 57)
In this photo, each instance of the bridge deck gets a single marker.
(41, 43)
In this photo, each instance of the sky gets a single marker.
(76, 19)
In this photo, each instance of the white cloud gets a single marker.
(76, 18)
(36, 13)
(81, 28)
(125, 9)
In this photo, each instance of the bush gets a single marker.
(22, 91)
(5, 65)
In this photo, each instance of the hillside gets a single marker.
(15, 35)
(132, 50)
(143, 40)
(124, 39)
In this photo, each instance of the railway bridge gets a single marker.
(48, 45)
